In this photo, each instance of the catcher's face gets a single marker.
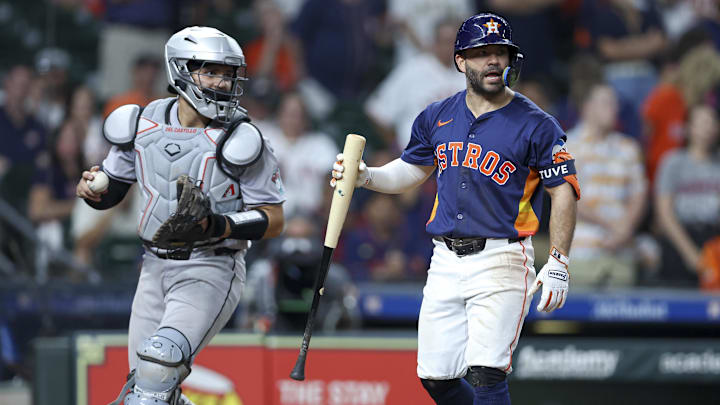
(215, 76)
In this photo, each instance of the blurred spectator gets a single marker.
(610, 169)
(709, 266)
(708, 12)
(22, 155)
(144, 76)
(280, 287)
(416, 24)
(379, 246)
(132, 28)
(272, 57)
(676, 51)
(537, 90)
(404, 93)
(31, 26)
(260, 105)
(666, 108)
(233, 17)
(52, 195)
(290, 8)
(92, 229)
(82, 112)
(585, 73)
(338, 43)
(51, 88)
(538, 29)
(303, 156)
(679, 16)
(23, 140)
(627, 35)
(687, 198)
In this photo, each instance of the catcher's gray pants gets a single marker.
(195, 296)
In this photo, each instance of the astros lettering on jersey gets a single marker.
(488, 176)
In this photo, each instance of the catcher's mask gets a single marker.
(490, 29)
(195, 51)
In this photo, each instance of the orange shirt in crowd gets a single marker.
(665, 113)
(129, 97)
(284, 71)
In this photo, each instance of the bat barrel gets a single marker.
(343, 192)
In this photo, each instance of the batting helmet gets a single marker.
(192, 48)
(490, 29)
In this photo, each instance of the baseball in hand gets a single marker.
(99, 183)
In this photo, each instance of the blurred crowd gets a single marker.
(635, 84)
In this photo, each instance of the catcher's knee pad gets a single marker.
(164, 362)
(479, 376)
(438, 388)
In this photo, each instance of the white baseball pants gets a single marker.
(473, 308)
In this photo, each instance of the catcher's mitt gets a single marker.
(183, 227)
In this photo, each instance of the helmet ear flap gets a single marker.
(511, 74)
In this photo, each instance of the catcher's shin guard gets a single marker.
(164, 362)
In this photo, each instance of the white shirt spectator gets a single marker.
(303, 166)
(421, 16)
(408, 89)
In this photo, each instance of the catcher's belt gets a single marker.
(185, 253)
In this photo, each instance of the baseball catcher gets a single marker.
(210, 185)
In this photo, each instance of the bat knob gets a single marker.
(298, 375)
(298, 372)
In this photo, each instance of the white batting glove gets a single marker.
(363, 177)
(554, 278)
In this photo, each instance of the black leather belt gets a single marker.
(184, 254)
(467, 246)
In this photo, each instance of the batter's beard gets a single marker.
(475, 78)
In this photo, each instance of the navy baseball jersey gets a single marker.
(489, 168)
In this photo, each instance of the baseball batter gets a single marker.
(210, 184)
(492, 149)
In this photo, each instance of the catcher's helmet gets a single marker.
(490, 29)
(192, 48)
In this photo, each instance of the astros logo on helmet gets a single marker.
(490, 29)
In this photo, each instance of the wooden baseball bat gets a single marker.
(354, 145)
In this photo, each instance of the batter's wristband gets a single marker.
(557, 255)
(248, 225)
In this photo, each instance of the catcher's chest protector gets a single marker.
(164, 152)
